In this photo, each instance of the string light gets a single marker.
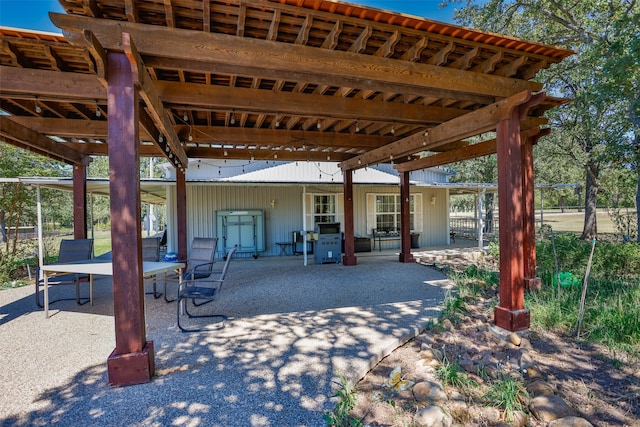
(98, 112)
(233, 120)
(318, 125)
(357, 127)
(161, 138)
(38, 109)
(185, 117)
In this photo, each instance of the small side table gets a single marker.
(283, 248)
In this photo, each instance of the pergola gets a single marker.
(265, 80)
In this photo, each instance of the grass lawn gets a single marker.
(574, 222)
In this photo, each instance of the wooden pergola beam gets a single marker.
(264, 154)
(86, 87)
(335, 68)
(473, 151)
(475, 123)
(296, 103)
(22, 134)
(150, 96)
(97, 129)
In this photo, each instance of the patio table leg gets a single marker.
(46, 296)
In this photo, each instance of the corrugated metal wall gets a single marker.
(286, 216)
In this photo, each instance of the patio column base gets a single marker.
(406, 257)
(533, 284)
(349, 260)
(131, 368)
(511, 320)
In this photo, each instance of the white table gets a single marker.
(103, 268)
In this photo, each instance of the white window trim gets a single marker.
(417, 213)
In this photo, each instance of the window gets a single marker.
(383, 211)
(324, 208)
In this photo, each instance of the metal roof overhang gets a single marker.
(153, 191)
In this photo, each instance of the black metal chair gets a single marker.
(70, 251)
(199, 263)
(203, 291)
(151, 252)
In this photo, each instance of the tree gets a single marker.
(14, 196)
(602, 125)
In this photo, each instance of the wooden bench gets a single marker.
(384, 234)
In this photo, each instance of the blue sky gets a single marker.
(33, 14)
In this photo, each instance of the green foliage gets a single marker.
(508, 394)
(347, 400)
(610, 261)
(600, 129)
(450, 373)
(454, 307)
(612, 312)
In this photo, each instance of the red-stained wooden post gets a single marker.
(510, 314)
(532, 282)
(349, 241)
(405, 213)
(181, 213)
(132, 361)
(79, 201)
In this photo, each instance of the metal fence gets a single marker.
(467, 227)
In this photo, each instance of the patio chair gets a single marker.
(199, 263)
(70, 251)
(151, 252)
(203, 291)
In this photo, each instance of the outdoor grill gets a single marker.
(328, 247)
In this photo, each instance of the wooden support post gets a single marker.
(405, 212)
(181, 213)
(510, 314)
(79, 201)
(532, 282)
(132, 361)
(349, 241)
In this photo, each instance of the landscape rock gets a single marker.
(515, 339)
(549, 407)
(433, 416)
(468, 366)
(428, 392)
(526, 360)
(447, 325)
(485, 414)
(532, 372)
(540, 387)
(570, 422)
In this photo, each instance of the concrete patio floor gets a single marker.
(291, 330)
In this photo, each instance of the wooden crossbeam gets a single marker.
(86, 87)
(97, 129)
(199, 50)
(23, 135)
(264, 154)
(473, 151)
(471, 124)
(150, 96)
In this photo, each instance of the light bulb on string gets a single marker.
(38, 109)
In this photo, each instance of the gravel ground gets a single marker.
(291, 329)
